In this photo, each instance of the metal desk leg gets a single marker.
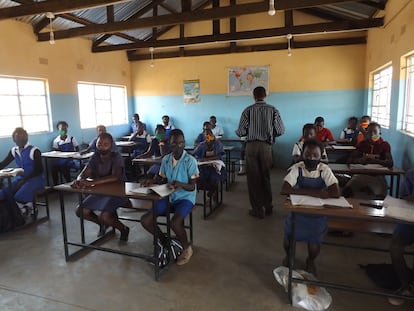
(65, 233)
(82, 222)
(154, 224)
(398, 185)
(392, 185)
(291, 258)
(47, 172)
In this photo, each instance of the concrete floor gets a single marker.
(231, 269)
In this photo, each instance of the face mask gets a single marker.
(311, 164)
(62, 133)
(209, 138)
(364, 124)
(375, 138)
(159, 136)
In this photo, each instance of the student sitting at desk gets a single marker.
(217, 130)
(201, 137)
(167, 125)
(134, 124)
(373, 150)
(180, 170)
(208, 150)
(310, 177)
(141, 138)
(66, 143)
(362, 130)
(403, 237)
(323, 134)
(105, 166)
(158, 148)
(308, 132)
(92, 145)
(350, 133)
(28, 158)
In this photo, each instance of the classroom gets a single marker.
(234, 254)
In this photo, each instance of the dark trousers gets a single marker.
(258, 165)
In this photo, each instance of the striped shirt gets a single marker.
(260, 122)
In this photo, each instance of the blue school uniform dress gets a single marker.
(182, 170)
(67, 145)
(209, 173)
(308, 228)
(103, 169)
(25, 160)
(406, 231)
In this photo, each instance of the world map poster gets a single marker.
(242, 80)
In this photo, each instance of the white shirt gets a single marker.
(217, 131)
(327, 174)
(298, 149)
(57, 141)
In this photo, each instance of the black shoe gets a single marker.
(255, 214)
(162, 254)
(102, 230)
(124, 234)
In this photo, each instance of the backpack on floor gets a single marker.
(10, 216)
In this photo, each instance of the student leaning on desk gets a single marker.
(309, 177)
(372, 150)
(105, 166)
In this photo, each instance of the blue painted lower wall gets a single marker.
(296, 108)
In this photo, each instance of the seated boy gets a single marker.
(308, 132)
(350, 133)
(210, 175)
(200, 138)
(323, 134)
(403, 237)
(180, 171)
(141, 138)
(134, 124)
(92, 145)
(31, 180)
(217, 129)
(372, 150)
(362, 130)
(310, 177)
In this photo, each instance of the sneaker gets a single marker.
(185, 256)
(400, 301)
(176, 249)
(124, 234)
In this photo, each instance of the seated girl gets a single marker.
(105, 166)
(200, 138)
(309, 177)
(28, 158)
(210, 174)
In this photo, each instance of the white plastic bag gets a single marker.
(308, 297)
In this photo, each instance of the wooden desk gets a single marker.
(358, 213)
(9, 173)
(392, 172)
(119, 189)
(74, 155)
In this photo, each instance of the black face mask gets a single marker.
(311, 164)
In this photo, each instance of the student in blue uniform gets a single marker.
(134, 124)
(403, 237)
(208, 150)
(350, 133)
(29, 159)
(167, 125)
(105, 166)
(309, 177)
(179, 170)
(141, 138)
(63, 142)
(92, 145)
(201, 137)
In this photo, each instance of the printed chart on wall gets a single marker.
(191, 91)
(242, 80)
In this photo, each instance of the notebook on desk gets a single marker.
(378, 167)
(308, 201)
(399, 209)
(162, 190)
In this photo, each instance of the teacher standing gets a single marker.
(260, 123)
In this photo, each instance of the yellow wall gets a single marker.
(21, 55)
(395, 39)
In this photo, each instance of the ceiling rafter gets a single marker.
(247, 35)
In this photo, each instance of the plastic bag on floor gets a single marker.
(308, 297)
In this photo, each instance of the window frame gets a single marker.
(408, 101)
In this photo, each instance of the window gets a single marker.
(25, 104)
(101, 104)
(408, 121)
(381, 96)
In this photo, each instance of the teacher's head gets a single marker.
(259, 93)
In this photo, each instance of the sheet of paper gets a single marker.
(398, 208)
(162, 190)
(368, 167)
(304, 200)
(343, 147)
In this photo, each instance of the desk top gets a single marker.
(10, 172)
(116, 189)
(67, 155)
(125, 143)
(349, 169)
(225, 148)
(148, 160)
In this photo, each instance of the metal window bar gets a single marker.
(408, 125)
(380, 105)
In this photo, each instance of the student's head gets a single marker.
(319, 123)
(62, 127)
(352, 123)
(312, 153)
(259, 93)
(159, 132)
(373, 132)
(308, 131)
(100, 129)
(209, 136)
(365, 120)
(135, 118)
(20, 137)
(177, 143)
(206, 126)
(213, 121)
(104, 144)
(165, 120)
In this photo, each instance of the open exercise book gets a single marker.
(398, 208)
(370, 166)
(162, 190)
(308, 201)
